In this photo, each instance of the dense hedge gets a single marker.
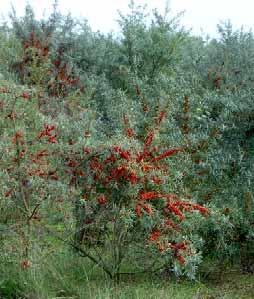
(86, 120)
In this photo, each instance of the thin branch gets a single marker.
(83, 253)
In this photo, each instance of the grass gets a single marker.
(65, 276)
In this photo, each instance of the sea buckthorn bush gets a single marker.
(128, 208)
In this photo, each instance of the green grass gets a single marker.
(67, 276)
